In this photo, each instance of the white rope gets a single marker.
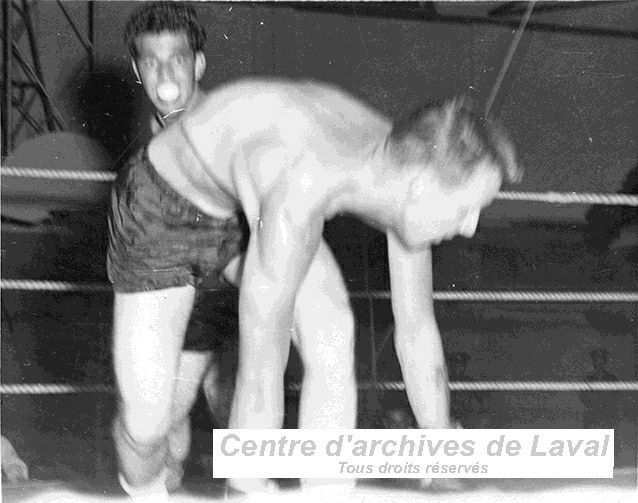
(571, 198)
(53, 389)
(525, 296)
(59, 174)
(53, 286)
(518, 386)
(548, 197)
(65, 389)
(506, 296)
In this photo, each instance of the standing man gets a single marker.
(166, 43)
(290, 155)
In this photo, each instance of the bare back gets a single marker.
(244, 137)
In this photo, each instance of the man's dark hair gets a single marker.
(451, 140)
(156, 17)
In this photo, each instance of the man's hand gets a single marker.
(444, 485)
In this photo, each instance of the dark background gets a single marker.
(568, 100)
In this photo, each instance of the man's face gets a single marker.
(438, 213)
(168, 69)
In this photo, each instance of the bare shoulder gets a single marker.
(355, 108)
(258, 135)
(251, 101)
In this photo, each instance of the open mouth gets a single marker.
(167, 92)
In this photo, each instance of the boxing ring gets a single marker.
(623, 487)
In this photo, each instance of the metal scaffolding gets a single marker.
(23, 83)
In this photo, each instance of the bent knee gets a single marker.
(145, 427)
(145, 436)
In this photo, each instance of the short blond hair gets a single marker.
(451, 140)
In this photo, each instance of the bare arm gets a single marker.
(417, 337)
(282, 245)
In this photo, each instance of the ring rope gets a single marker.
(548, 197)
(571, 198)
(53, 389)
(59, 174)
(523, 296)
(518, 386)
(59, 389)
(53, 286)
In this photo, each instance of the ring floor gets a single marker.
(622, 488)
(67, 445)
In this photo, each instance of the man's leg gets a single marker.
(219, 381)
(218, 386)
(325, 339)
(148, 332)
(192, 366)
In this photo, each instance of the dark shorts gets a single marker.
(157, 239)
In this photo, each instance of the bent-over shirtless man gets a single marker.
(290, 155)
